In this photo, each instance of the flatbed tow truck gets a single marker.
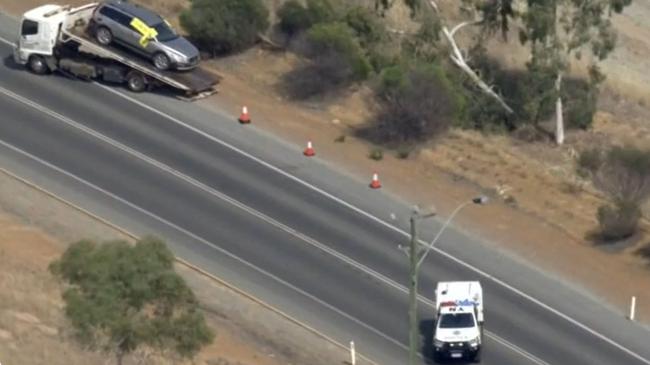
(56, 38)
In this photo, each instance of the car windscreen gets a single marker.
(456, 320)
(165, 33)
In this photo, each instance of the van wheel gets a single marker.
(38, 65)
(103, 36)
(136, 81)
(477, 357)
(161, 61)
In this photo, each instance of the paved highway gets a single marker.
(314, 242)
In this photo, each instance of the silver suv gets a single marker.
(144, 32)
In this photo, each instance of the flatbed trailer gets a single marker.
(76, 53)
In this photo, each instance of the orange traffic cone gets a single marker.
(309, 151)
(244, 118)
(375, 184)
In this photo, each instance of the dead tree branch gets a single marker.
(460, 60)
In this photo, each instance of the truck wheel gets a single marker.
(136, 81)
(161, 61)
(103, 36)
(437, 358)
(38, 65)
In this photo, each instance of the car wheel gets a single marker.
(161, 61)
(103, 36)
(136, 81)
(38, 65)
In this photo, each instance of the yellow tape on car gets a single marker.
(146, 31)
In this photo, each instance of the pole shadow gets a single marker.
(427, 327)
(9, 63)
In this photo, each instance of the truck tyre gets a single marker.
(103, 36)
(136, 81)
(161, 61)
(437, 358)
(38, 65)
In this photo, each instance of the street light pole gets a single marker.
(416, 257)
(413, 292)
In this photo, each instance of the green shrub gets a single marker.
(225, 25)
(485, 115)
(382, 56)
(414, 105)
(321, 11)
(589, 161)
(294, 17)
(620, 221)
(580, 102)
(424, 45)
(337, 38)
(335, 61)
(372, 36)
(366, 26)
(624, 175)
(530, 93)
(376, 154)
(404, 151)
(322, 75)
(392, 78)
(124, 298)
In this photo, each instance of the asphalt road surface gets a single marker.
(310, 240)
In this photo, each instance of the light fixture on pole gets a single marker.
(417, 255)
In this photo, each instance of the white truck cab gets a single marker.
(459, 320)
(40, 30)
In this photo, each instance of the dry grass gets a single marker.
(31, 317)
(33, 329)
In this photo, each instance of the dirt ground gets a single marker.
(32, 324)
(542, 211)
(31, 310)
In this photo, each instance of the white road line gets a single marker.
(377, 220)
(7, 42)
(300, 236)
(517, 349)
(385, 224)
(204, 241)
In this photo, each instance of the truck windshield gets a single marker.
(165, 33)
(30, 27)
(456, 320)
